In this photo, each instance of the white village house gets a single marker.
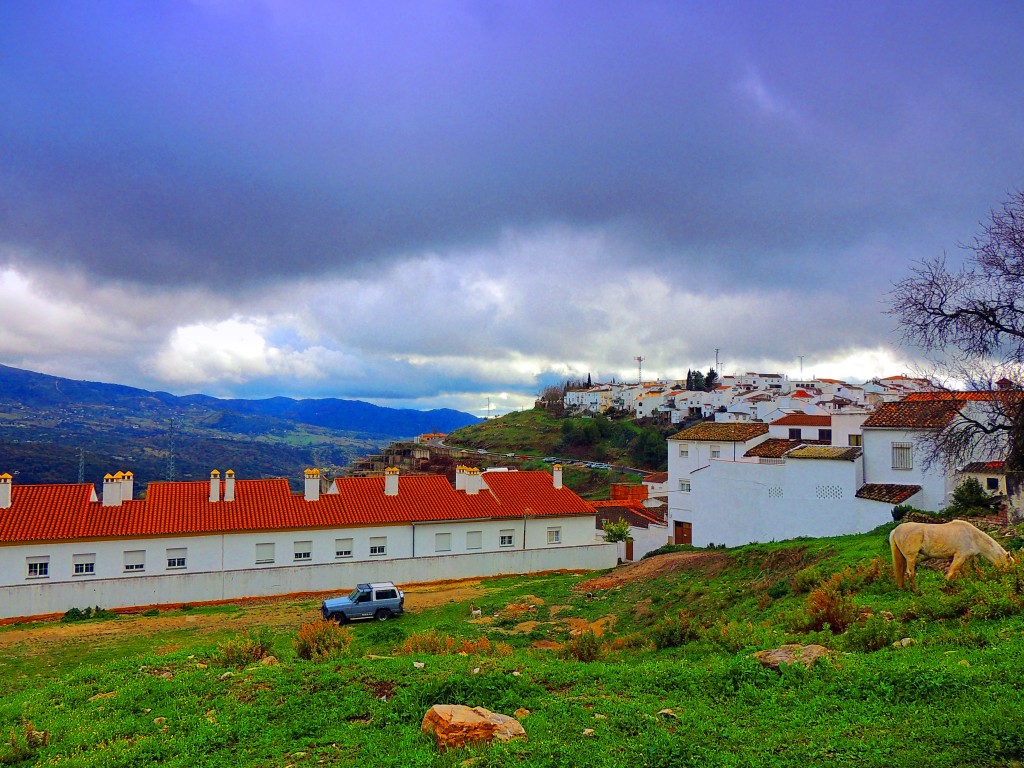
(728, 486)
(62, 546)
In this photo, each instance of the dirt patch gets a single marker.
(276, 613)
(657, 566)
(599, 627)
(527, 626)
(547, 645)
(554, 610)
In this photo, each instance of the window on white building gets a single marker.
(38, 567)
(684, 486)
(716, 452)
(992, 483)
(442, 542)
(856, 440)
(902, 455)
(378, 545)
(343, 547)
(303, 550)
(506, 538)
(795, 433)
(474, 539)
(554, 535)
(264, 554)
(684, 451)
(176, 557)
(135, 560)
(825, 435)
(83, 565)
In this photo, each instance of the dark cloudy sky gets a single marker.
(432, 203)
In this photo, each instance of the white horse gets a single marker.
(957, 539)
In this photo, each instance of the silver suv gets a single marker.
(379, 600)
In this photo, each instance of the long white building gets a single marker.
(64, 546)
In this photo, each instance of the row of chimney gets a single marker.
(120, 487)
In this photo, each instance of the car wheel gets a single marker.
(341, 618)
(382, 614)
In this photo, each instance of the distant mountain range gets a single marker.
(48, 423)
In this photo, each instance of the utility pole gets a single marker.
(172, 471)
(801, 365)
(639, 368)
(716, 361)
(81, 465)
(488, 408)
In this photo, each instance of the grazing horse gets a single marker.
(957, 539)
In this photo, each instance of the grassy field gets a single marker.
(673, 632)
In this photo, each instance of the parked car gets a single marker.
(379, 600)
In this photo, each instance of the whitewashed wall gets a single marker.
(935, 486)
(41, 598)
(738, 503)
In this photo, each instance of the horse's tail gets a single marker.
(899, 561)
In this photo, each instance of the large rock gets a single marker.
(807, 655)
(455, 725)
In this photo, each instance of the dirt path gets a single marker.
(655, 566)
(282, 612)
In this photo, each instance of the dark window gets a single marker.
(386, 594)
(825, 434)
(992, 483)
(794, 433)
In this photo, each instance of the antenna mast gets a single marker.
(716, 361)
(639, 368)
(81, 465)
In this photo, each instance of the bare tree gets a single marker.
(969, 320)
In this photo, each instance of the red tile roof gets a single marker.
(890, 493)
(656, 478)
(986, 467)
(803, 420)
(801, 393)
(913, 414)
(54, 512)
(719, 432)
(777, 447)
(632, 512)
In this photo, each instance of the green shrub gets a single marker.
(807, 579)
(779, 589)
(81, 614)
(673, 631)
(321, 639)
(584, 646)
(247, 648)
(873, 635)
(151, 612)
(666, 549)
(969, 499)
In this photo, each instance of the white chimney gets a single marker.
(460, 478)
(229, 485)
(5, 491)
(127, 486)
(557, 475)
(391, 481)
(215, 485)
(473, 481)
(111, 491)
(313, 485)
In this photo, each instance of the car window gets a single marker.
(364, 597)
(386, 594)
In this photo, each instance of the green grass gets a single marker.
(953, 698)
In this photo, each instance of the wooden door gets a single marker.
(683, 532)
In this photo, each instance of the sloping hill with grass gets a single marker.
(647, 665)
(540, 432)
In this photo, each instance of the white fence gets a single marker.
(40, 599)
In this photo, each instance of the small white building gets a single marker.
(62, 546)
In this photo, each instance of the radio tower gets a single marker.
(639, 369)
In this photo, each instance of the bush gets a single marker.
(829, 607)
(779, 589)
(665, 549)
(81, 614)
(873, 635)
(439, 645)
(969, 499)
(321, 639)
(807, 579)
(584, 647)
(674, 631)
(247, 648)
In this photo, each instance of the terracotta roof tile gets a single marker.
(803, 420)
(777, 447)
(713, 431)
(890, 493)
(54, 512)
(986, 467)
(913, 414)
(827, 452)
